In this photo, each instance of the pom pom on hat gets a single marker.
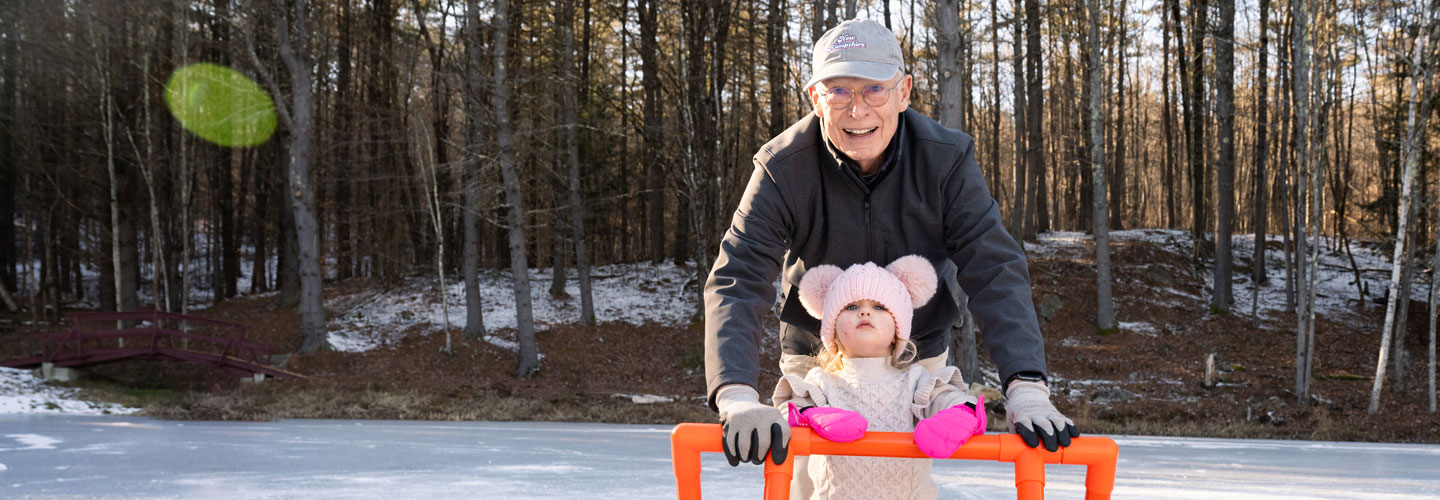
(815, 285)
(918, 275)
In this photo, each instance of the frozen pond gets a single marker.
(53, 456)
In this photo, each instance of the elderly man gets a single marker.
(866, 179)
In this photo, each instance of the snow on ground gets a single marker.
(636, 294)
(22, 392)
(1336, 289)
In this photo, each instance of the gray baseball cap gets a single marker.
(858, 48)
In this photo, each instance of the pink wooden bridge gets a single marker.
(105, 337)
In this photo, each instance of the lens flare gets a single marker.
(220, 105)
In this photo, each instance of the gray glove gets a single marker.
(750, 429)
(1029, 413)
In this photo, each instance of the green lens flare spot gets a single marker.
(220, 105)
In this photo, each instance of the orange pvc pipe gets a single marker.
(1098, 454)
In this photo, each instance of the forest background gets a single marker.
(441, 138)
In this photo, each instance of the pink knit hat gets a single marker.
(901, 287)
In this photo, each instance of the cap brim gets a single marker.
(868, 70)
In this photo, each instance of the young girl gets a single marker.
(867, 381)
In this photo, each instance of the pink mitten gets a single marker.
(943, 433)
(835, 424)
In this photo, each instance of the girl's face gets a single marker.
(865, 330)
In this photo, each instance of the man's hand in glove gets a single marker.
(1030, 414)
(751, 429)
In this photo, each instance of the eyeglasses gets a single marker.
(874, 95)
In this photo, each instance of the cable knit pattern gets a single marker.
(890, 398)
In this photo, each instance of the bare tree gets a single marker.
(107, 127)
(1034, 143)
(1017, 213)
(947, 56)
(995, 105)
(653, 139)
(1169, 25)
(292, 31)
(1222, 296)
(477, 127)
(775, 65)
(1434, 305)
(1117, 181)
(528, 360)
(565, 21)
(1415, 139)
(1195, 121)
(429, 167)
(951, 114)
(1304, 338)
(1105, 313)
(1260, 217)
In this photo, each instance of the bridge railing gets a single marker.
(124, 334)
(1099, 454)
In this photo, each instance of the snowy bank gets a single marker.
(22, 392)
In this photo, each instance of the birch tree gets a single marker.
(1304, 337)
(1415, 139)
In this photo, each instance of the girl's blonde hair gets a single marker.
(832, 360)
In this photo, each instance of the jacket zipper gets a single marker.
(869, 232)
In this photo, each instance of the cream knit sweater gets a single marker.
(892, 400)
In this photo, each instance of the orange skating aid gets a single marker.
(1098, 454)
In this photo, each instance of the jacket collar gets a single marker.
(891, 156)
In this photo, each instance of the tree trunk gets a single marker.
(947, 46)
(1284, 195)
(345, 129)
(528, 360)
(1034, 144)
(1085, 210)
(1117, 182)
(1260, 218)
(775, 66)
(995, 105)
(565, 18)
(1105, 307)
(1168, 117)
(1222, 297)
(1415, 137)
(293, 34)
(1017, 213)
(259, 276)
(648, 13)
(1195, 119)
(817, 22)
(1301, 80)
(477, 122)
(8, 165)
(1187, 102)
(1434, 306)
(302, 192)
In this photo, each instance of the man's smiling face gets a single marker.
(860, 130)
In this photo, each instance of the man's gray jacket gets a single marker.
(804, 207)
